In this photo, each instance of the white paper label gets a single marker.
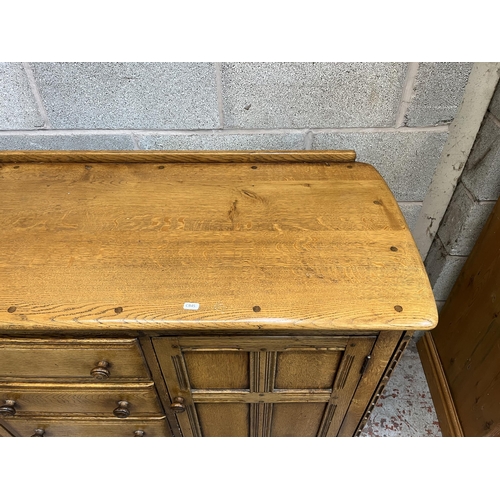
(193, 306)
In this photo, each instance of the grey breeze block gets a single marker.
(481, 174)
(437, 94)
(18, 108)
(214, 141)
(463, 222)
(67, 142)
(410, 212)
(494, 107)
(314, 95)
(442, 269)
(129, 95)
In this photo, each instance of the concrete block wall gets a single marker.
(395, 115)
(470, 206)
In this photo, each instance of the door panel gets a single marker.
(224, 419)
(255, 386)
(297, 419)
(217, 369)
(306, 369)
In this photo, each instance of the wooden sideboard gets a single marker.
(200, 293)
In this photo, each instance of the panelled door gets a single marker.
(256, 386)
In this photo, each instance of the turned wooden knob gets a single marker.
(8, 410)
(122, 411)
(38, 433)
(139, 434)
(178, 405)
(100, 372)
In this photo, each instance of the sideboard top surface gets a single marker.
(233, 240)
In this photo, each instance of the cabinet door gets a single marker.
(255, 386)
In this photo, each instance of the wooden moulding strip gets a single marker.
(178, 156)
(439, 388)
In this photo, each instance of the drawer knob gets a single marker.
(138, 434)
(8, 410)
(122, 411)
(100, 372)
(38, 433)
(178, 405)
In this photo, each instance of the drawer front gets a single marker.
(90, 427)
(97, 399)
(72, 358)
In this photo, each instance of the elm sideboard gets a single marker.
(230, 293)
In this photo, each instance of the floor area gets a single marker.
(405, 408)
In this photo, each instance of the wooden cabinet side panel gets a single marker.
(393, 361)
(467, 338)
(438, 387)
(383, 350)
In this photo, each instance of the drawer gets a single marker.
(89, 427)
(96, 399)
(72, 358)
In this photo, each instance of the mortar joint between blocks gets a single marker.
(220, 104)
(407, 94)
(135, 141)
(495, 120)
(36, 94)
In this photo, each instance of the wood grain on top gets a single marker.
(258, 245)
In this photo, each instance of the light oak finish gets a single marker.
(461, 357)
(233, 293)
(323, 247)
